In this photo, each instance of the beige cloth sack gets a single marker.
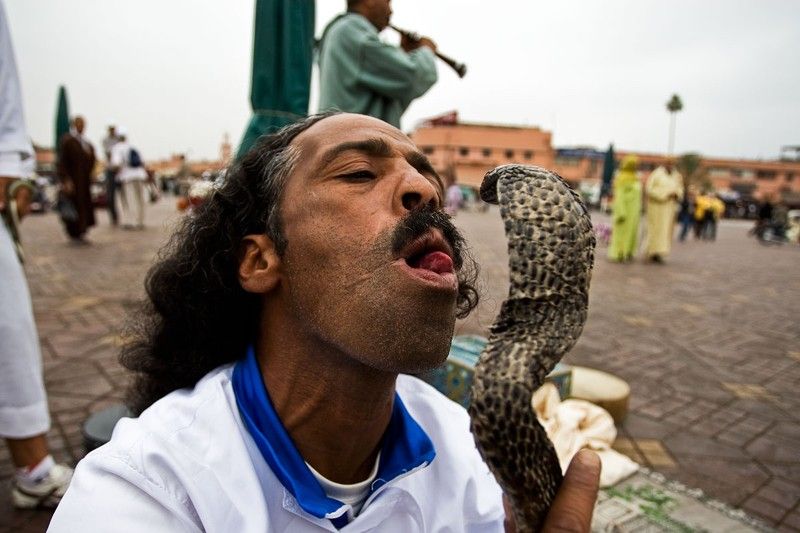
(576, 424)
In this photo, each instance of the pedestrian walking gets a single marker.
(686, 213)
(780, 219)
(707, 212)
(626, 211)
(764, 217)
(24, 416)
(110, 175)
(454, 199)
(663, 190)
(132, 175)
(76, 161)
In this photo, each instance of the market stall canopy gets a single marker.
(283, 46)
(608, 171)
(62, 117)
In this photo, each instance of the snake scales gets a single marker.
(551, 252)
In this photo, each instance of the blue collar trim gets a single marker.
(406, 446)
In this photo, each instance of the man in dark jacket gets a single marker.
(75, 165)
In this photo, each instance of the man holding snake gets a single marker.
(272, 361)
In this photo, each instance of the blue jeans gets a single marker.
(686, 223)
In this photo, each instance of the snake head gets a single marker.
(549, 231)
(489, 186)
(489, 192)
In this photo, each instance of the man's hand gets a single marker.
(4, 183)
(23, 197)
(67, 186)
(425, 41)
(409, 44)
(574, 504)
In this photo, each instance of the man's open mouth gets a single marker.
(435, 261)
(430, 252)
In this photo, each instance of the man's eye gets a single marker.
(360, 175)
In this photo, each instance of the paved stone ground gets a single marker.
(708, 343)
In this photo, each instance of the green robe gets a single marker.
(361, 74)
(625, 216)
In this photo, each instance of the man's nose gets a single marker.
(415, 191)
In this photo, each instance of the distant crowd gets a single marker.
(128, 184)
(665, 200)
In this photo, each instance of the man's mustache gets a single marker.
(420, 221)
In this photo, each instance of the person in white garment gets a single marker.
(24, 417)
(109, 175)
(131, 175)
(663, 191)
(273, 361)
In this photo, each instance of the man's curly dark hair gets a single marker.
(197, 316)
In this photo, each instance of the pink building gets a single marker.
(467, 151)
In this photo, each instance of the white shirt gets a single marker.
(15, 145)
(354, 494)
(188, 463)
(108, 143)
(119, 158)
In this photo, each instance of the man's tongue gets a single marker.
(438, 262)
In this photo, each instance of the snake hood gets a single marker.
(551, 254)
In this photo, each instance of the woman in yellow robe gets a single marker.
(626, 212)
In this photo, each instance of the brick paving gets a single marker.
(708, 343)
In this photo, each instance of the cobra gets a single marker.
(551, 253)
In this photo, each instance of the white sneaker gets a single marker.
(46, 492)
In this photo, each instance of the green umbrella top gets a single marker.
(608, 171)
(62, 117)
(283, 46)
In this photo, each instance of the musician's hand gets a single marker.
(425, 41)
(574, 504)
(408, 44)
(67, 186)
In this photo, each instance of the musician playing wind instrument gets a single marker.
(361, 74)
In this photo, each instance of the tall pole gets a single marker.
(673, 106)
(671, 144)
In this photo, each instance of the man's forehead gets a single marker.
(346, 127)
(325, 141)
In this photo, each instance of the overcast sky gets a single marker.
(176, 73)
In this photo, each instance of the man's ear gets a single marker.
(259, 264)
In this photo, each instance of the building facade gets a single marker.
(466, 151)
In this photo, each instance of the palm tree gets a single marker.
(673, 106)
(693, 171)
